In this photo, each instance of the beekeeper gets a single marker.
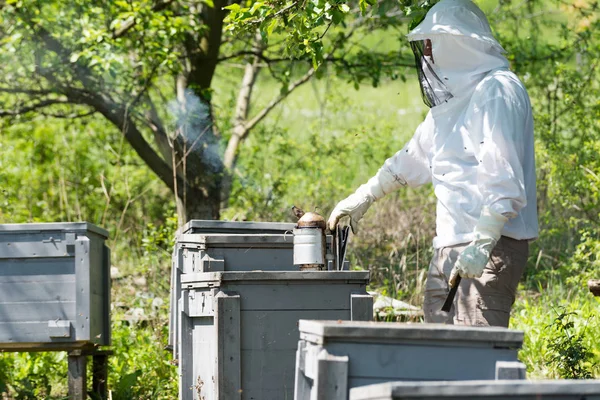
(476, 146)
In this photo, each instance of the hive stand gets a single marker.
(78, 373)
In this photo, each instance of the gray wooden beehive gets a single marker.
(480, 390)
(238, 331)
(54, 286)
(335, 356)
(208, 246)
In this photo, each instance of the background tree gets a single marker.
(147, 67)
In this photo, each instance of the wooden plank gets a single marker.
(11, 268)
(227, 320)
(77, 377)
(302, 385)
(361, 307)
(62, 290)
(99, 292)
(203, 364)
(54, 229)
(368, 331)
(278, 329)
(426, 361)
(268, 375)
(199, 303)
(510, 370)
(27, 334)
(35, 249)
(37, 311)
(55, 345)
(278, 277)
(295, 296)
(82, 288)
(234, 227)
(332, 377)
(35, 279)
(186, 355)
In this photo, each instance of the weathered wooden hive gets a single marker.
(54, 286)
(235, 309)
(335, 356)
(481, 390)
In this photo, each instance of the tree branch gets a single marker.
(31, 92)
(33, 107)
(117, 114)
(69, 116)
(243, 105)
(126, 27)
(263, 113)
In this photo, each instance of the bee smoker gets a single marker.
(314, 250)
(309, 242)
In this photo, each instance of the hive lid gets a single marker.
(239, 227)
(234, 240)
(323, 331)
(469, 389)
(75, 227)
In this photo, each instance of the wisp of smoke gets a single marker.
(195, 126)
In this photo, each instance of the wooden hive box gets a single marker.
(54, 286)
(480, 390)
(335, 356)
(238, 330)
(208, 246)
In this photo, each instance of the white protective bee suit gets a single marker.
(476, 146)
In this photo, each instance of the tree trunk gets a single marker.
(196, 156)
(197, 206)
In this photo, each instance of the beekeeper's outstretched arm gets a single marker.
(500, 177)
(408, 166)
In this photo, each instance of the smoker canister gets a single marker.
(309, 242)
(309, 247)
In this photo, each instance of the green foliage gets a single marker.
(33, 376)
(141, 367)
(416, 11)
(563, 343)
(304, 24)
(94, 34)
(569, 355)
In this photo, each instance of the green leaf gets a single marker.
(337, 16)
(235, 7)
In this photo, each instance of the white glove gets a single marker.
(357, 204)
(473, 259)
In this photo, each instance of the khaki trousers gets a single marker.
(484, 301)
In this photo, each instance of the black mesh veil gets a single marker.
(433, 90)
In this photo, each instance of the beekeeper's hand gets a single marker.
(473, 259)
(357, 204)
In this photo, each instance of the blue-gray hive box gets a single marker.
(238, 331)
(481, 390)
(335, 356)
(54, 286)
(209, 246)
(236, 298)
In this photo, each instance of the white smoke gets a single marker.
(195, 125)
